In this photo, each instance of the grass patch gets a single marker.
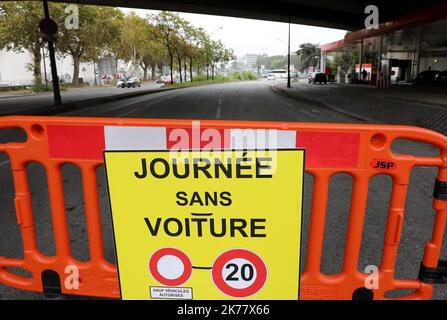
(201, 80)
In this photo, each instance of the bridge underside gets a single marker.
(346, 14)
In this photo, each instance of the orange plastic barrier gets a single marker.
(362, 151)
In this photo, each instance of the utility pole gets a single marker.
(49, 25)
(288, 60)
(94, 71)
(44, 66)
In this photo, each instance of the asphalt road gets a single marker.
(22, 104)
(232, 101)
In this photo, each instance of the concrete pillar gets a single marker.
(323, 62)
(360, 60)
(418, 44)
(379, 61)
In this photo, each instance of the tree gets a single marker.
(135, 39)
(202, 53)
(213, 53)
(227, 56)
(165, 32)
(309, 54)
(154, 56)
(187, 41)
(19, 30)
(195, 40)
(180, 48)
(343, 59)
(99, 27)
(262, 60)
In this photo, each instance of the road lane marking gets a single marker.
(134, 100)
(316, 111)
(3, 163)
(219, 107)
(125, 113)
(310, 114)
(288, 104)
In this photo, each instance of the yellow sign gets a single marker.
(207, 224)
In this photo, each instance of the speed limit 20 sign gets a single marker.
(239, 273)
(214, 225)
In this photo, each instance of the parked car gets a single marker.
(121, 83)
(441, 79)
(310, 77)
(160, 80)
(127, 83)
(427, 77)
(168, 81)
(133, 82)
(271, 76)
(319, 77)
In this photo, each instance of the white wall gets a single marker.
(13, 68)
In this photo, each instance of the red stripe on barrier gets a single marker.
(188, 138)
(329, 149)
(76, 142)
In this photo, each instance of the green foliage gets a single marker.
(160, 39)
(184, 42)
(19, 32)
(309, 55)
(245, 75)
(201, 80)
(347, 60)
(201, 77)
(99, 31)
(276, 62)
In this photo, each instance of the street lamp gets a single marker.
(216, 30)
(44, 66)
(207, 65)
(49, 29)
(288, 57)
(318, 64)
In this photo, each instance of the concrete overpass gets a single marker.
(346, 14)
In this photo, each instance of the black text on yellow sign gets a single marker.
(207, 225)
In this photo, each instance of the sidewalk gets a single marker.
(435, 96)
(400, 105)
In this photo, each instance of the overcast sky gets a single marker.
(256, 36)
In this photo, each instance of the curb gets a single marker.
(324, 105)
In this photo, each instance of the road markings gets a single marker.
(316, 111)
(3, 163)
(127, 112)
(310, 114)
(219, 107)
(288, 104)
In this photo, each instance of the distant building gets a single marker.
(249, 61)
